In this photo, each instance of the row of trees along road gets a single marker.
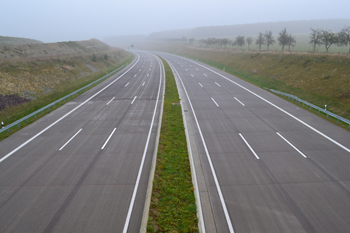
(317, 37)
(328, 38)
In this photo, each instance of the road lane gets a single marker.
(82, 187)
(282, 191)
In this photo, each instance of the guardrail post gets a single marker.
(18, 125)
(8, 130)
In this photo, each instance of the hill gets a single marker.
(34, 75)
(294, 27)
(6, 40)
(49, 50)
(34, 70)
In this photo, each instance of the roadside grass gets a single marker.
(12, 113)
(173, 206)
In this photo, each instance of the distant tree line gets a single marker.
(318, 37)
(328, 38)
(267, 39)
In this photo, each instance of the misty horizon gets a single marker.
(82, 20)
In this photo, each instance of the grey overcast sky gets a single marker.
(64, 20)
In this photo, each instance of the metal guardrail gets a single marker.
(54, 103)
(298, 100)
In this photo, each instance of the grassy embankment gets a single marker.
(317, 78)
(173, 207)
(47, 80)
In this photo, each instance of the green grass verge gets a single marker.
(12, 113)
(173, 206)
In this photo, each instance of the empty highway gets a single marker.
(85, 166)
(262, 163)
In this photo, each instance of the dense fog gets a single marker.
(63, 20)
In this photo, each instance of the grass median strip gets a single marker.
(173, 206)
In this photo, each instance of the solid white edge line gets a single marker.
(127, 84)
(127, 221)
(194, 174)
(239, 101)
(110, 100)
(108, 139)
(251, 149)
(133, 100)
(282, 110)
(64, 116)
(292, 145)
(200, 84)
(228, 220)
(70, 139)
(215, 102)
(217, 84)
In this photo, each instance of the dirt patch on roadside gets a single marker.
(11, 100)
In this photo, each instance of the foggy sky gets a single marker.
(64, 20)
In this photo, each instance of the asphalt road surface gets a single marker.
(262, 163)
(85, 166)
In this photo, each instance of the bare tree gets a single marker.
(291, 41)
(211, 42)
(329, 38)
(260, 40)
(269, 39)
(224, 42)
(240, 41)
(315, 37)
(233, 43)
(344, 37)
(283, 38)
(249, 41)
